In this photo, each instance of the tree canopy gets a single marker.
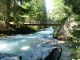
(21, 10)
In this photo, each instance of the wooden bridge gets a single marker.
(39, 24)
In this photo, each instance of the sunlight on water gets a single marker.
(25, 48)
(24, 44)
(3, 46)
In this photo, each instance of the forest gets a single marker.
(15, 13)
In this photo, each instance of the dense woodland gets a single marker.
(20, 12)
(67, 12)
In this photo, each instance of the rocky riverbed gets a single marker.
(39, 45)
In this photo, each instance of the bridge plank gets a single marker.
(54, 24)
(42, 24)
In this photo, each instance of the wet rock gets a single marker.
(63, 31)
(55, 54)
(46, 51)
(4, 56)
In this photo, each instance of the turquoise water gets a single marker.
(23, 45)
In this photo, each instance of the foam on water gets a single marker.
(23, 44)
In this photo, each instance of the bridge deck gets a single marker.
(43, 24)
(37, 24)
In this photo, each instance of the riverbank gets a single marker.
(9, 29)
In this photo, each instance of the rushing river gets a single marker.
(22, 45)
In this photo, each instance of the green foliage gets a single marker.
(35, 9)
(74, 5)
(75, 45)
(62, 10)
(34, 27)
(59, 10)
(20, 11)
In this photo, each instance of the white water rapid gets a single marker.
(23, 45)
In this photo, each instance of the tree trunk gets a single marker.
(8, 10)
(63, 32)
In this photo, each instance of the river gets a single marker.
(23, 45)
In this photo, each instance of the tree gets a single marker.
(15, 9)
(38, 11)
(66, 31)
(8, 10)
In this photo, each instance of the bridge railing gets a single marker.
(42, 22)
(39, 23)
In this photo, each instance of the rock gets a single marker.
(55, 54)
(44, 50)
(4, 56)
(63, 32)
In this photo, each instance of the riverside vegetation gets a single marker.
(68, 12)
(65, 11)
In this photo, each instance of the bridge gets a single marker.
(43, 23)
